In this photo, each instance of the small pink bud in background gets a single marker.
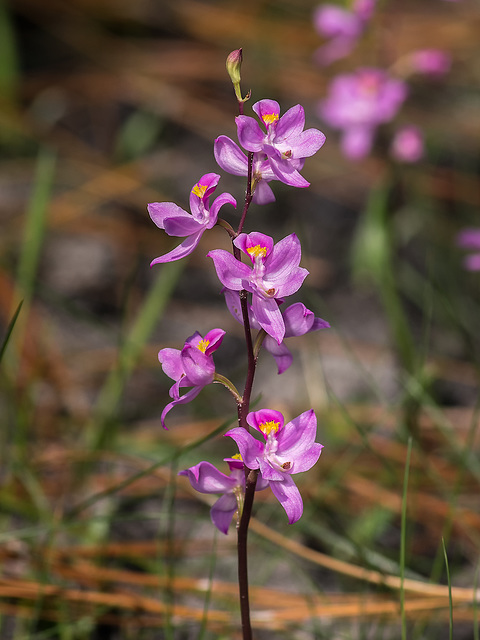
(407, 144)
(433, 62)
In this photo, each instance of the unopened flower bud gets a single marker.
(234, 65)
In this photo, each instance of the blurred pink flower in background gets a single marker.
(407, 144)
(342, 27)
(470, 239)
(357, 103)
(432, 62)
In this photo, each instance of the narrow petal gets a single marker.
(214, 339)
(230, 157)
(250, 135)
(223, 511)
(206, 478)
(318, 323)
(232, 273)
(158, 211)
(263, 194)
(289, 497)
(286, 173)
(280, 352)
(184, 249)
(250, 448)
(269, 316)
(188, 397)
(224, 198)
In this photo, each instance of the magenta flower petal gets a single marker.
(225, 198)
(300, 320)
(280, 352)
(269, 317)
(184, 249)
(230, 157)
(171, 362)
(249, 133)
(159, 211)
(284, 258)
(183, 225)
(199, 368)
(297, 442)
(287, 173)
(232, 273)
(185, 399)
(289, 497)
(206, 478)
(309, 142)
(263, 194)
(223, 511)
(250, 448)
(290, 125)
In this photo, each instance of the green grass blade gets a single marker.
(141, 474)
(476, 626)
(9, 67)
(450, 601)
(10, 329)
(35, 223)
(403, 540)
(102, 427)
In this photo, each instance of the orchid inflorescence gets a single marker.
(256, 278)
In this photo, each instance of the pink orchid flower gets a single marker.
(177, 222)
(191, 366)
(275, 273)
(288, 448)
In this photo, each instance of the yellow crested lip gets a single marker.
(257, 251)
(270, 118)
(199, 189)
(203, 345)
(269, 427)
